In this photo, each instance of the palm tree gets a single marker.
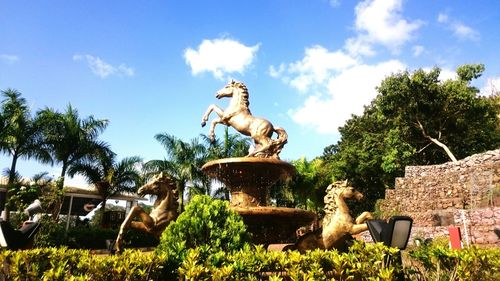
(21, 134)
(109, 176)
(73, 140)
(231, 145)
(183, 164)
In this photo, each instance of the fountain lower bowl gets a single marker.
(272, 225)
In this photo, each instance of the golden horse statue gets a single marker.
(337, 225)
(164, 209)
(238, 116)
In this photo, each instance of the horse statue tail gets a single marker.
(280, 141)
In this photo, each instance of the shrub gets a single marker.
(441, 263)
(53, 234)
(67, 264)
(206, 224)
(362, 262)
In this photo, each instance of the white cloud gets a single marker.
(442, 18)
(380, 22)
(317, 65)
(345, 96)
(418, 50)
(104, 69)
(459, 29)
(276, 72)
(492, 86)
(220, 57)
(464, 32)
(332, 81)
(334, 3)
(9, 59)
(447, 74)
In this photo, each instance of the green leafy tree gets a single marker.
(109, 176)
(183, 164)
(416, 119)
(21, 136)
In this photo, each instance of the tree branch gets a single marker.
(437, 142)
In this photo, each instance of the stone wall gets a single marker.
(438, 196)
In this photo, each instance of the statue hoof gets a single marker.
(203, 123)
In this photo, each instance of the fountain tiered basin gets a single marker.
(249, 180)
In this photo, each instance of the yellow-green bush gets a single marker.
(362, 262)
(67, 264)
(438, 262)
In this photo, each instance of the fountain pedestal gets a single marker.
(249, 180)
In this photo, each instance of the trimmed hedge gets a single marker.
(441, 263)
(362, 262)
(68, 264)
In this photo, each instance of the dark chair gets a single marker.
(14, 239)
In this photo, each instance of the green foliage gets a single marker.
(206, 224)
(66, 264)
(306, 189)
(53, 234)
(441, 263)
(395, 130)
(362, 262)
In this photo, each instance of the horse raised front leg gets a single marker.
(360, 226)
(364, 217)
(211, 108)
(211, 132)
(134, 212)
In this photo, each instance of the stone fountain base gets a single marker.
(274, 225)
(249, 179)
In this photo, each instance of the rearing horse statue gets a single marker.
(164, 209)
(337, 225)
(238, 116)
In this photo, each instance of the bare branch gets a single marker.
(437, 142)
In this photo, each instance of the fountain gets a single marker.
(249, 178)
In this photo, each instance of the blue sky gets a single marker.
(154, 66)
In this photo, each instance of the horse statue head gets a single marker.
(160, 185)
(339, 190)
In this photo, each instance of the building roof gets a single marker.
(83, 198)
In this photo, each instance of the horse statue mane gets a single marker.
(244, 94)
(239, 116)
(332, 192)
(337, 226)
(165, 209)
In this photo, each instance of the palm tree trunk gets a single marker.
(59, 199)
(103, 212)
(12, 176)
(180, 189)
